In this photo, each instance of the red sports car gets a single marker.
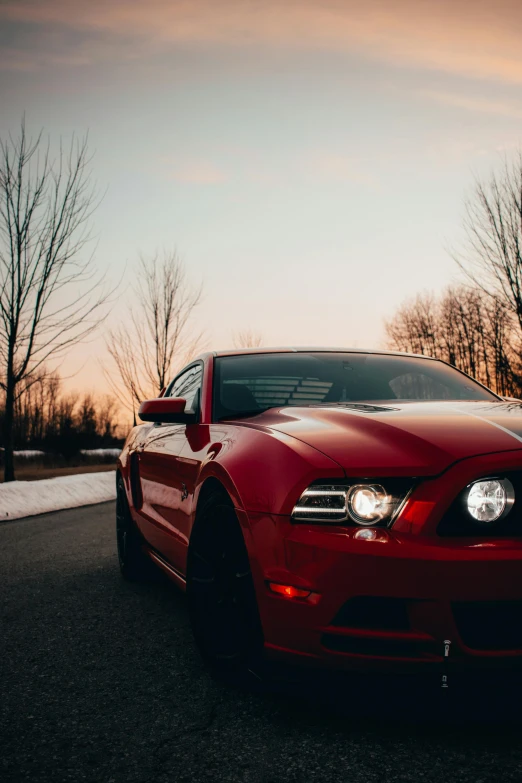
(354, 509)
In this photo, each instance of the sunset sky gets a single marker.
(309, 160)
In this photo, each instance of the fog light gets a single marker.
(490, 499)
(367, 534)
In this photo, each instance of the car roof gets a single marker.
(308, 349)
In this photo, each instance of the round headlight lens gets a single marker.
(368, 504)
(490, 499)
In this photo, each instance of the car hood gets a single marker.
(412, 438)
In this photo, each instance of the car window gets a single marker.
(418, 386)
(256, 382)
(188, 386)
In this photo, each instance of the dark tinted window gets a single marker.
(257, 382)
(188, 385)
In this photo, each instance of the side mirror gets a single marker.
(168, 410)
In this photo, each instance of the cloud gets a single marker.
(479, 39)
(12, 59)
(469, 103)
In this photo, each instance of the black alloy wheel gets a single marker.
(221, 594)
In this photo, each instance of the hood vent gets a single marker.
(363, 407)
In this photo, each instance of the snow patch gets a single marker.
(27, 498)
(101, 452)
(28, 453)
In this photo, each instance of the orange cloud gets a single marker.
(469, 103)
(480, 39)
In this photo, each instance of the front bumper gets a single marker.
(437, 591)
(429, 589)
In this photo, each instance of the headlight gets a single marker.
(362, 504)
(321, 503)
(367, 504)
(490, 499)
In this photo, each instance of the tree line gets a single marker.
(474, 332)
(477, 325)
(51, 420)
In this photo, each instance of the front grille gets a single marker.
(385, 614)
(387, 648)
(378, 627)
(458, 522)
(489, 625)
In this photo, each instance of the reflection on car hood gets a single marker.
(401, 438)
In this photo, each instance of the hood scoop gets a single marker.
(363, 407)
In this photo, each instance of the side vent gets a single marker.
(137, 495)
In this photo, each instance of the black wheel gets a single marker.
(134, 563)
(220, 590)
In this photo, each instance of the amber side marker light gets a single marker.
(287, 591)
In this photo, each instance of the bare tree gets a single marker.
(106, 416)
(247, 338)
(464, 327)
(157, 338)
(491, 256)
(50, 299)
(35, 407)
(414, 327)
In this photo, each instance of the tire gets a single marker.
(134, 563)
(221, 596)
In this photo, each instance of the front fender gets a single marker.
(266, 471)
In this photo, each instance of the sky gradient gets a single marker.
(309, 160)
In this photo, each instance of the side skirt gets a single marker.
(171, 572)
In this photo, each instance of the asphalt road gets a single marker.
(100, 682)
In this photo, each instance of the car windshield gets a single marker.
(251, 383)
